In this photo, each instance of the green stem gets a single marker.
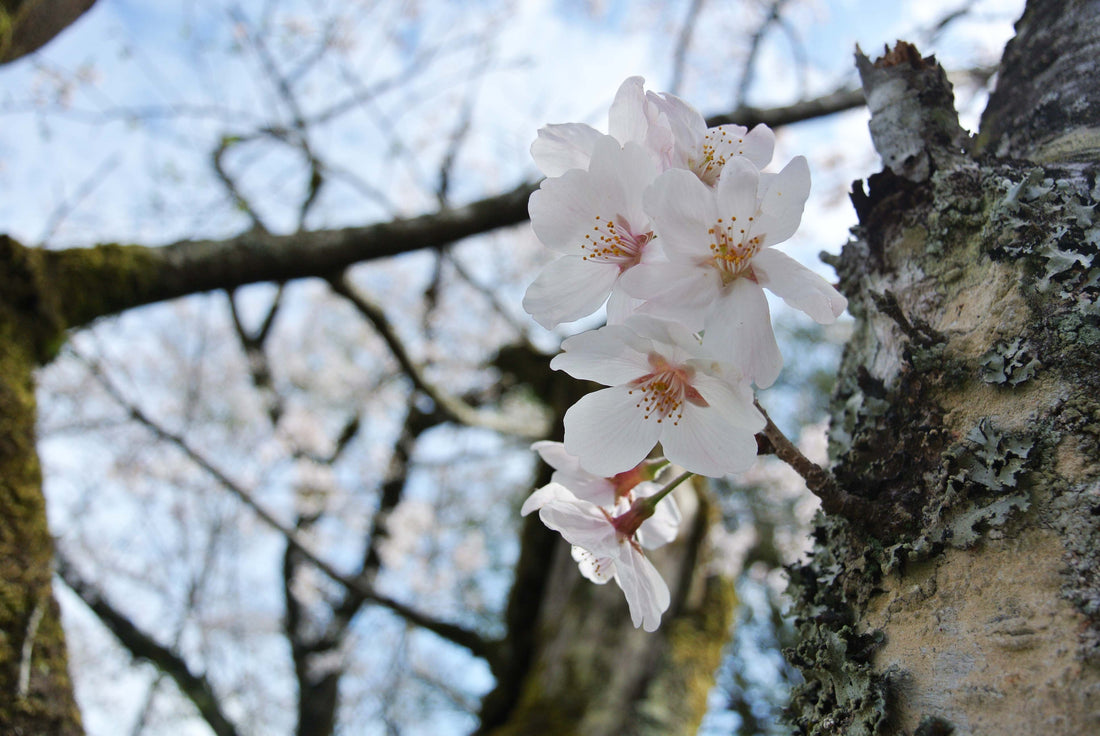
(652, 501)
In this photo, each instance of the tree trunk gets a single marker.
(35, 691)
(966, 599)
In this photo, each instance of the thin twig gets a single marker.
(834, 499)
(65, 208)
(478, 645)
(749, 70)
(451, 406)
(683, 43)
(491, 296)
(141, 645)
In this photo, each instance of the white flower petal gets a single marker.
(679, 290)
(706, 442)
(688, 127)
(546, 494)
(597, 569)
(798, 286)
(646, 592)
(569, 473)
(608, 432)
(568, 289)
(736, 193)
(626, 120)
(563, 209)
(683, 209)
(731, 396)
(561, 147)
(739, 331)
(759, 145)
(624, 174)
(608, 355)
(620, 305)
(583, 524)
(783, 201)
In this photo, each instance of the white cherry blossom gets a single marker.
(671, 130)
(616, 493)
(718, 245)
(594, 218)
(664, 388)
(605, 547)
(705, 151)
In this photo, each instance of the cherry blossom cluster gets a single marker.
(671, 226)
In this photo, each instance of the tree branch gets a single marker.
(451, 406)
(478, 645)
(141, 645)
(834, 499)
(112, 278)
(93, 282)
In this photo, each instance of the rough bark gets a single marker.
(966, 600)
(34, 680)
(1045, 106)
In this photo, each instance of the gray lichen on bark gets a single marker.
(967, 597)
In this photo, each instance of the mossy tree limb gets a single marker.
(37, 694)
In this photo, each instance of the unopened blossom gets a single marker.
(606, 547)
(718, 244)
(671, 130)
(664, 388)
(594, 218)
(616, 493)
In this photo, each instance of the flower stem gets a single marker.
(668, 489)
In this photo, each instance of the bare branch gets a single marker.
(471, 640)
(123, 277)
(227, 181)
(749, 70)
(776, 117)
(683, 43)
(259, 367)
(834, 499)
(451, 406)
(141, 645)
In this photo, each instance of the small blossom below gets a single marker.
(605, 547)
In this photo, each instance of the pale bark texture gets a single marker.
(964, 600)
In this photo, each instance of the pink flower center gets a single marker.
(628, 523)
(665, 389)
(613, 241)
(732, 250)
